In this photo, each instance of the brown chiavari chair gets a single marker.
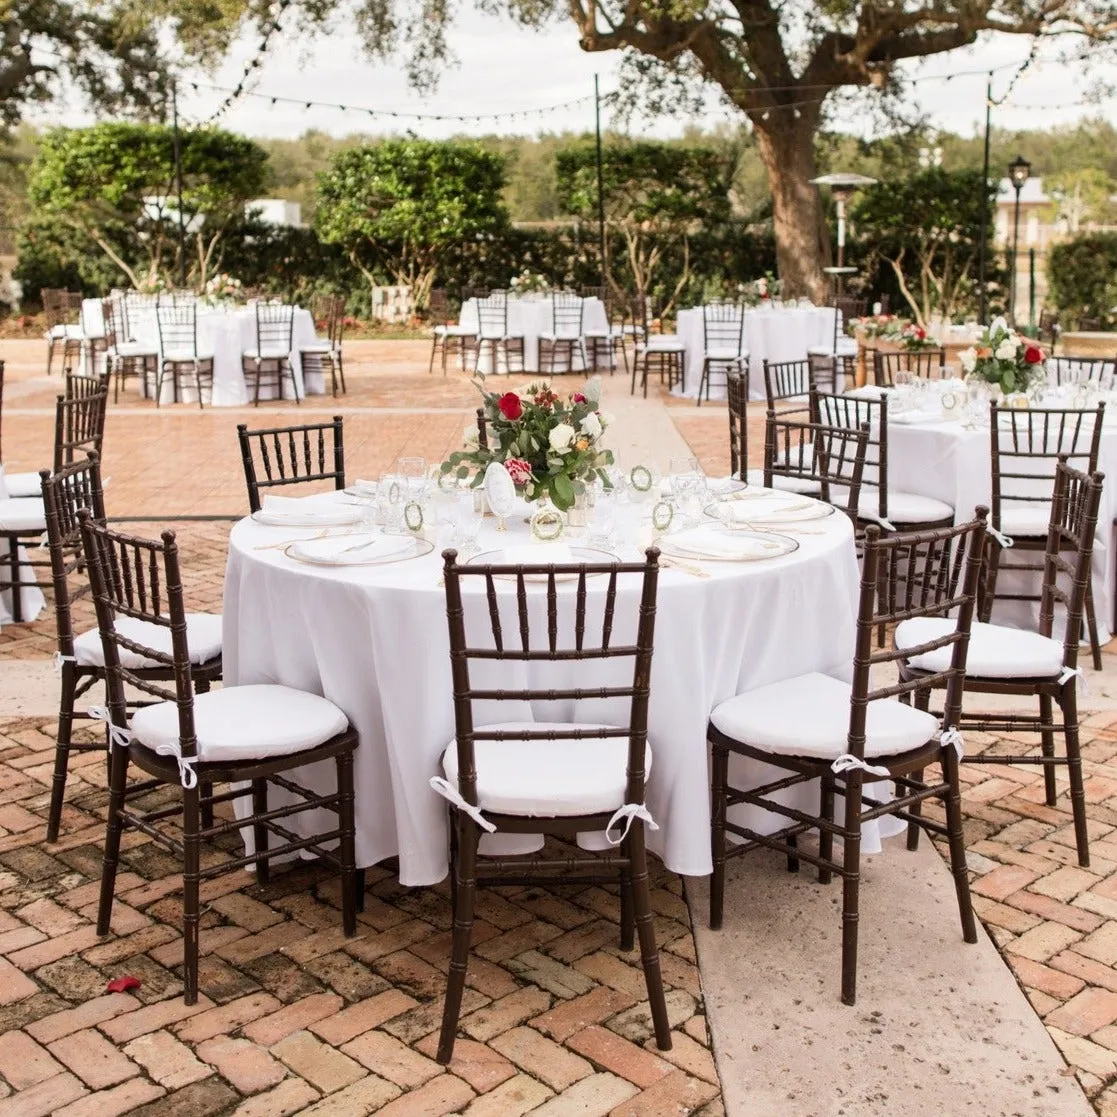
(601, 293)
(824, 371)
(482, 428)
(63, 314)
(594, 778)
(269, 362)
(815, 459)
(1025, 664)
(737, 396)
(566, 333)
(330, 311)
(723, 338)
(849, 735)
(447, 334)
(179, 354)
(841, 350)
(493, 335)
(253, 734)
(930, 364)
(280, 456)
(125, 358)
(80, 656)
(608, 342)
(474, 293)
(1049, 326)
(788, 381)
(1025, 448)
(1080, 370)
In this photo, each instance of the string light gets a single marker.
(253, 63)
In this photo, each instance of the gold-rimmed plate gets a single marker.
(370, 549)
(591, 555)
(784, 508)
(715, 543)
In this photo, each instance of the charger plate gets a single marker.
(716, 543)
(592, 555)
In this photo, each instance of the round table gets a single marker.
(225, 332)
(374, 641)
(782, 333)
(529, 318)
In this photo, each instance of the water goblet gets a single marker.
(411, 467)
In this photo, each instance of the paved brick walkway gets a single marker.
(294, 1017)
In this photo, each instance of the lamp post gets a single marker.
(1018, 171)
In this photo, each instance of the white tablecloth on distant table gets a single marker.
(770, 333)
(226, 332)
(374, 641)
(31, 597)
(946, 461)
(528, 318)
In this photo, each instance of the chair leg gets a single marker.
(118, 780)
(346, 825)
(719, 784)
(61, 751)
(851, 886)
(922, 702)
(792, 857)
(645, 930)
(1092, 623)
(989, 586)
(260, 831)
(825, 837)
(191, 908)
(628, 918)
(16, 578)
(956, 836)
(50, 355)
(1069, 705)
(1047, 747)
(341, 371)
(464, 882)
(434, 351)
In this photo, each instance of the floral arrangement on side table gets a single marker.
(550, 444)
(1004, 358)
(529, 283)
(222, 287)
(915, 339)
(887, 326)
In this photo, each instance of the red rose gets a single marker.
(518, 470)
(578, 397)
(510, 405)
(920, 332)
(1033, 355)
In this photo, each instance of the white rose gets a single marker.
(968, 359)
(606, 418)
(1006, 351)
(561, 437)
(591, 425)
(592, 390)
(998, 324)
(471, 435)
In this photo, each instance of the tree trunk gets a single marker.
(786, 145)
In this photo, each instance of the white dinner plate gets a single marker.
(322, 516)
(368, 549)
(723, 486)
(784, 508)
(720, 544)
(577, 554)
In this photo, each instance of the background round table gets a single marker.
(374, 640)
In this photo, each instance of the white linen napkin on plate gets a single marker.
(351, 550)
(711, 541)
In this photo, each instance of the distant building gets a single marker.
(275, 211)
(1037, 215)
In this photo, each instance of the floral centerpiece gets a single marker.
(1004, 358)
(885, 326)
(915, 339)
(222, 288)
(550, 444)
(529, 283)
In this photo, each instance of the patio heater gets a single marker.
(1018, 171)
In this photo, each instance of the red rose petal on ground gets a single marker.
(122, 984)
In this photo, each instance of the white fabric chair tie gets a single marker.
(60, 659)
(847, 761)
(452, 795)
(187, 774)
(953, 737)
(626, 814)
(1005, 541)
(1069, 673)
(118, 735)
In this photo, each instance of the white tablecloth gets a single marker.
(528, 318)
(950, 463)
(773, 334)
(31, 597)
(374, 641)
(226, 333)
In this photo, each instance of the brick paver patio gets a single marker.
(295, 1018)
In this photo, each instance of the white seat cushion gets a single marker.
(903, 508)
(23, 514)
(74, 333)
(809, 716)
(995, 652)
(455, 331)
(662, 343)
(203, 638)
(244, 723)
(269, 354)
(1025, 520)
(547, 779)
(132, 349)
(846, 347)
(723, 353)
(564, 336)
(785, 484)
(23, 484)
(186, 355)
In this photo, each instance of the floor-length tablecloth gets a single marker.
(31, 598)
(224, 332)
(529, 318)
(374, 641)
(770, 333)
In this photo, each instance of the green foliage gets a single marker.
(926, 228)
(114, 185)
(1082, 277)
(404, 205)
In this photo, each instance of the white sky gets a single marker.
(501, 68)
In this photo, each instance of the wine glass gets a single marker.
(411, 467)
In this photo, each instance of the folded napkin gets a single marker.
(365, 488)
(708, 541)
(298, 503)
(351, 550)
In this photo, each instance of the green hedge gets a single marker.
(1082, 277)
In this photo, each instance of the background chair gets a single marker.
(815, 458)
(62, 310)
(179, 355)
(667, 351)
(848, 735)
(788, 382)
(268, 363)
(493, 336)
(126, 359)
(565, 334)
(1081, 370)
(572, 777)
(930, 364)
(447, 333)
(281, 456)
(252, 734)
(330, 311)
(1026, 664)
(723, 332)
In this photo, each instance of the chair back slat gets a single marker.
(300, 455)
(737, 391)
(475, 642)
(1080, 370)
(567, 312)
(723, 326)
(275, 325)
(819, 453)
(492, 316)
(785, 380)
(852, 414)
(178, 331)
(930, 364)
(79, 423)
